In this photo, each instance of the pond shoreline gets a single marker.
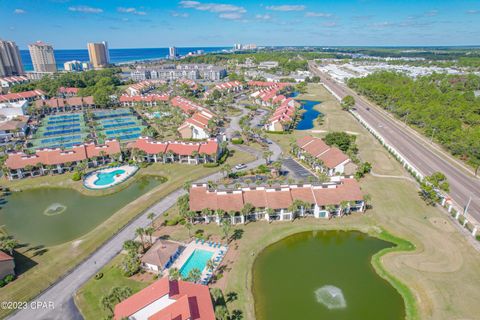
(399, 245)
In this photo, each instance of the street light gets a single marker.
(433, 133)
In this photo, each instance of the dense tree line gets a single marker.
(443, 107)
(97, 83)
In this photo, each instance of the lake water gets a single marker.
(309, 116)
(323, 275)
(48, 216)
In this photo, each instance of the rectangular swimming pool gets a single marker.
(197, 260)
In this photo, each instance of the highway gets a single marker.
(417, 149)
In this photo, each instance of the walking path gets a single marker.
(61, 293)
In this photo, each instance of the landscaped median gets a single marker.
(43, 266)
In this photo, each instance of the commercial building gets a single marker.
(43, 57)
(10, 60)
(283, 202)
(168, 300)
(99, 54)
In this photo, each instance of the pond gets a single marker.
(50, 216)
(309, 115)
(323, 275)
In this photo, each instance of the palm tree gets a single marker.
(330, 208)
(210, 265)
(140, 232)
(8, 243)
(226, 227)
(227, 169)
(366, 199)
(151, 216)
(266, 155)
(189, 227)
(131, 246)
(194, 275)
(344, 205)
(174, 274)
(149, 232)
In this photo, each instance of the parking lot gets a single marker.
(296, 170)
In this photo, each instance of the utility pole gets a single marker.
(468, 205)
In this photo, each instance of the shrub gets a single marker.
(174, 221)
(211, 165)
(99, 276)
(2, 283)
(9, 278)
(237, 141)
(77, 176)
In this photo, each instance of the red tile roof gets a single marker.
(68, 90)
(145, 98)
(62, 102)
(151, 146)
(26, 95)
(19, 160)
(316, 147)
(191, 301)
(275, 198)
(4, 256)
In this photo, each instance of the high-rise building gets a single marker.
(172, 52)
(10, 60)
(42, 56)
(99, 55)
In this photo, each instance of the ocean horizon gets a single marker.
(116, 55)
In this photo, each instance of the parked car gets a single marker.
(240, 166)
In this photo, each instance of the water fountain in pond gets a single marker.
(331, 297)
(54, 209)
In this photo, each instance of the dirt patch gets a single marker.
(442, 224)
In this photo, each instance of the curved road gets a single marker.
(418, 150)
(61, 293)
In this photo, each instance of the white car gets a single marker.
(240, 166)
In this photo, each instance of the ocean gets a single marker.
(116, 55)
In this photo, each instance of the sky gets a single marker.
(70, 24)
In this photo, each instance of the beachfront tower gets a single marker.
(10, 60)
(43, 59)
(99, 54)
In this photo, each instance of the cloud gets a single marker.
(318, 14)
(85, 9)
(19, 11)
(382, 25)
(286, 7)
(179, 14)
(263, 16)
(331, 24)
(131, 10)
(472, 11)
(212, 7)
(431, 13)
(231, 15)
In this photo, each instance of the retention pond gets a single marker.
(323, 275)
(50, 216)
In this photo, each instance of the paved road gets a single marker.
(61, 293)
(418, 150)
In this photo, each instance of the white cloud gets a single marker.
(85, 9)
(329, 24)
(231, 15)
(431, 13)
(212, 7)
(179, 14)
(318, 14)
(131, 10)
(473, 11)
(263, 16)
(19, 11)
(286, 7)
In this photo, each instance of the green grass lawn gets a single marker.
(64, 257)
(88, 297)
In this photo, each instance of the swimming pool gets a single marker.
(106, 178)
(197, 260)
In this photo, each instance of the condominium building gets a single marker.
(76, 65)
(99, 54)
(10, 60)
(43, 58)
(172, 52)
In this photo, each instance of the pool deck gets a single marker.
(192, 246)
(89, 181)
